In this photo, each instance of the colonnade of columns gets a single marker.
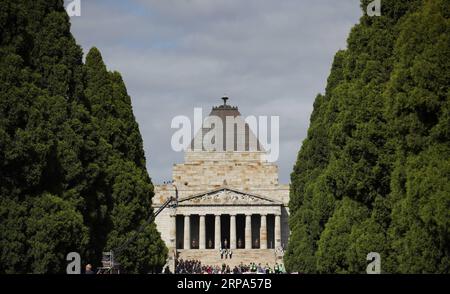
(232, 244)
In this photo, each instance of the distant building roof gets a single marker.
(222, 112)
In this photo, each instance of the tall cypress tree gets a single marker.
(40, 72)
(418, 109)
(68, 182)
(129, 189)
(372, 174)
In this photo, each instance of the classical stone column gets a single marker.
(202, 233)
(263, 232)
(248, 231)
(187, 232)
(277, 231)
(217, 234)
(173, 230)
(232, 231)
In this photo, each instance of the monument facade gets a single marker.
(229, 200)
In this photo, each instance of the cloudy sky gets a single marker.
(270, 57)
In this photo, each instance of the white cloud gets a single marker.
(271, 57)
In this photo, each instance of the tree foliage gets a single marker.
(72, 166)
(377, 150)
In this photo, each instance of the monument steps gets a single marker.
(246, 256)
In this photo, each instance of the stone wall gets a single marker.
(211, 169)
(203, 171)
(163, 225)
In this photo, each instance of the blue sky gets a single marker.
(270, 57)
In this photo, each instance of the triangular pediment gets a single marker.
(227, 196)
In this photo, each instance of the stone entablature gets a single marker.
(228, 210)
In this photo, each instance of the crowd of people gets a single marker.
(196, 267)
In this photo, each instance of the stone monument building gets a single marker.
(229, 200)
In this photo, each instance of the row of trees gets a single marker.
(72, 166)
(373, 173)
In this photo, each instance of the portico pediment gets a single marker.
(227, 196)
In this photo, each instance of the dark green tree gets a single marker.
(70, 166)
(419, 111)
(335, 239)
(40, 73)
(378, 137)
(128, 193)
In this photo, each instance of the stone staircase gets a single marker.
(246, 256)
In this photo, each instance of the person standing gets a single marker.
(88, 270)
